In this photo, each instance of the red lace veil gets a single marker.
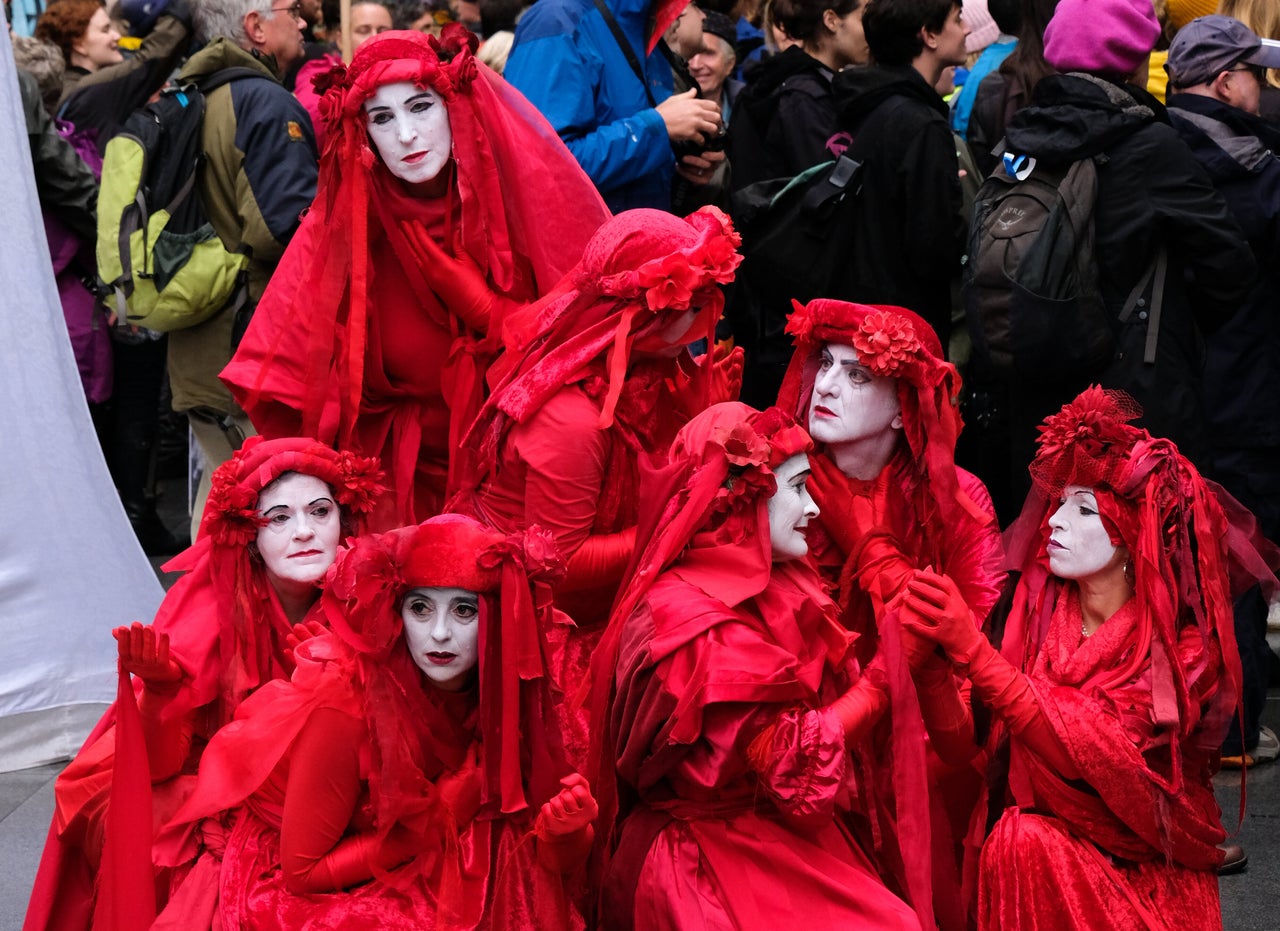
(1181, 546)
(521, 202)
(417, 730)
(640, 272)
(225, 573)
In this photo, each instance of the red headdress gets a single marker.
(518, 207)
(1180, 543)
(640, 271)
(892, 342)
(418, 730)
(222, 562)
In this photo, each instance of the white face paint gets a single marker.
(442, 631)
(300, 540)
(790, 509)
(1079, 546)
(849, 404)
(409, 126)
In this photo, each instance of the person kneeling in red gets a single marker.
(1114, 686)
(401, 768)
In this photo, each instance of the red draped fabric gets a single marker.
(737, 786)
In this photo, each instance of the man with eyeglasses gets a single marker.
(1215, 77)
(258, 177)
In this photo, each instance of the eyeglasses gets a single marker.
(1256, 70)
(295, 11)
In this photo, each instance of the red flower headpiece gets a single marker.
(231, 517)
(1088, 442)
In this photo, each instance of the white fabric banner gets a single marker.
(70, 567)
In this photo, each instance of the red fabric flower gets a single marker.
(886, 343)
(669, 283)
(720, 257)
(1091, 424)
(742, 445)
(233, 518)
(361, 482)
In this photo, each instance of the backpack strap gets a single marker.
(227, 75)
(1155, 277)
(620, 37)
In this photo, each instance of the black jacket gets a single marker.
(782, 120)
(64, 183)
(1151, 192)
(1242, 384)
(909, 233)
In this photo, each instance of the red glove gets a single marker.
(457, 281)
(145, 654)
(564, 826)
(599, 562)
(298, 634)
(725, 373)
(858, 709)
(934, 607)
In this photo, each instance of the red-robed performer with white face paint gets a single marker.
(444, 201)
(881, 404)
(277, 511)
(737, 715)
(1114, 684)
(410, 774)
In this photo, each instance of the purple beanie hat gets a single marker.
(1100, 36)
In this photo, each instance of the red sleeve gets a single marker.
(324, 787)
(563, 452)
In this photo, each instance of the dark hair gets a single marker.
(1007, 14)
(892, 27)
(801, 19)
(1025, 65)
(497, 15)
(65, 22)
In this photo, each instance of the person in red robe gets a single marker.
(409, 776)
(277, 511)
(444, 200)
(594, 377)
(737, 713)
(1116, 679)
(880, 401)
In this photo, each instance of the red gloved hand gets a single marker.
(858, 709)
(725, 373)
(456, 280)
(934, 608)
(145, 654)
(298, 634)
(571, 810)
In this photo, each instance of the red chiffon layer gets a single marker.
(738, 785)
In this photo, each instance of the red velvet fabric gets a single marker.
(367, 337)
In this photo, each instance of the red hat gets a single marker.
(512, 575)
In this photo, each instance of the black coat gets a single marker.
(782, 119)
(909, 231)
(1242, 385)
(1151, 192)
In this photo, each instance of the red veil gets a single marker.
(519, 211)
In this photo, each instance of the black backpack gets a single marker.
(1031, 288)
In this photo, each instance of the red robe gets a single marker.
(482, 875)
(1123, 845)
(738, 783)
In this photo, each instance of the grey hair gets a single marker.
(224, 19)
(44, 61)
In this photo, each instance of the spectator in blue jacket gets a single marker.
(618, 117)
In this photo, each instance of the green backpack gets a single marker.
(157, 252)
